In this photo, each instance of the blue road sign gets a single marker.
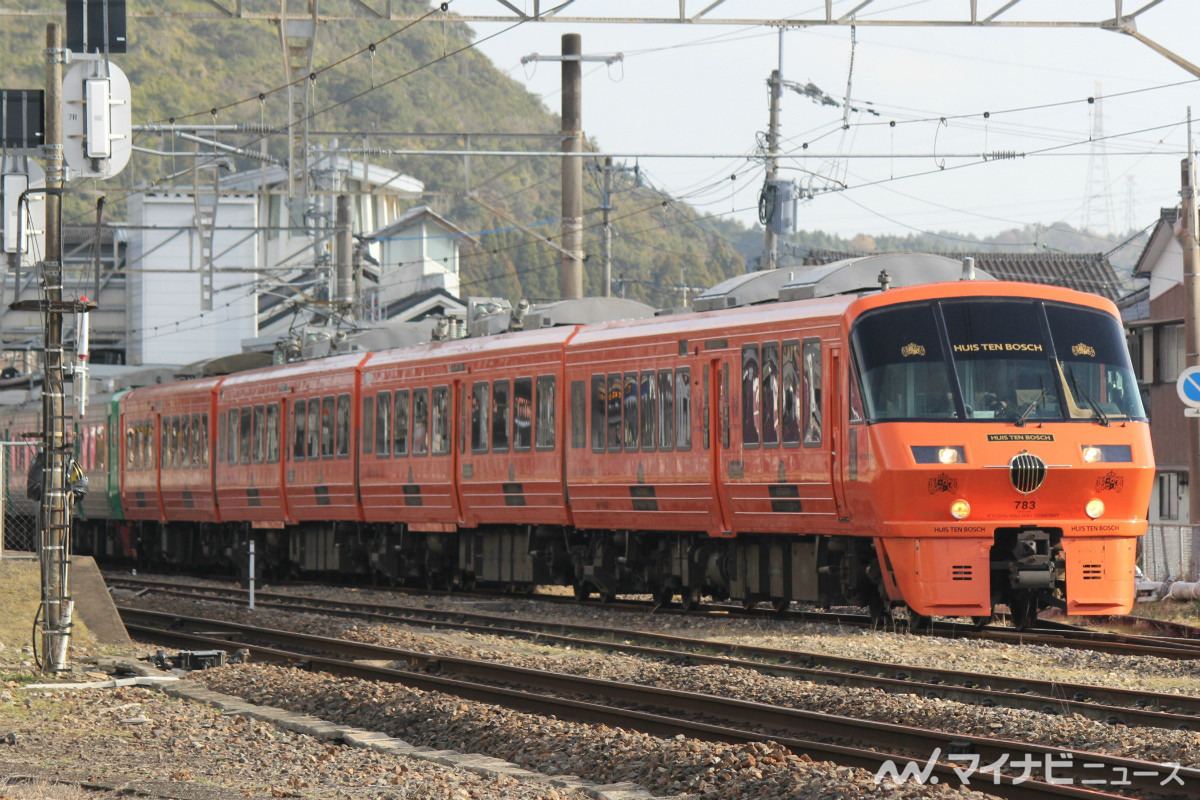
(1188, 387)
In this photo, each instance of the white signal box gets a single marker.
(97, 119)
(12, 186)
(98, 128)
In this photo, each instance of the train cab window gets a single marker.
(501, 411)
(811, 393)
(368, 426)
(259, 433)
(327, 426)
(343, 426)
(646, 397)
(273, 433)
(615, 401)
(666, 410)
(522, 431)
(770, 394)
(579, 414)
(789, 384)
(683, 408)
(544, 432)
(440, 423)
(630, 405)
(1094, 358)
(400, 429)
(479, 417)
(420, 422)
(750, 398)
(856, 406)
(245, 435)
(383, 424)
(904, 370)
(299, 415)
(314, 428)
(599, 412)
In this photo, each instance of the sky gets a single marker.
(701, 90)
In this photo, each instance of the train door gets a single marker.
(716, 435)
(456, 435)
(286, 434)
(838, 398)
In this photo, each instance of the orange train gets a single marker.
(937, 449)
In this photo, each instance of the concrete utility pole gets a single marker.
(775, 82)
(606, 242)
(342, 251)
(1191, 332)
(55, 514)
(571, 269)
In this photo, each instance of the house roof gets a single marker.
(1164, 233)
(414, 215)
(1084, 272)
(380, 178)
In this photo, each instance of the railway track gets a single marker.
(666, 712)
(1112, 706)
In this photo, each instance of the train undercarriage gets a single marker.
(680, 567)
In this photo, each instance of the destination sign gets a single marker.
(994, 347)
(1020, 437)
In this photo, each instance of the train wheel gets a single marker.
(608, 597)
(690, 598)
(919, 622)
(880, 614)
(663, 597)
(582, 592)
(749, 604)
(979, 623)
(780, 605)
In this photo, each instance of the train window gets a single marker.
(479, 418)
(164, 443)
(811, 390)
(440, 427)
(400, 430)
(314, 428)
(545, 412)
(149, 451)
(630, 403)
(178, 442)
(856, 407)
(220, 438)
(272, 445)
(231, 434)
(131, 449)
(579, 414)
(420, 422)
(770, 394)
(647, 396)
(1095, 363)
(599, 412)
(383, 424)
(368, 425)
(522, 435)
(750, 399)
(683, 408)
(327, 426)
(666, 410)
(200, 440)
(185, 442)
(615, 396)
(299, 414)
(258, 434)
(500, 416)
(343, 426)
(245, 435)
(789, 374)
(904, 370)
(102, 447)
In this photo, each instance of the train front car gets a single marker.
(997, 448)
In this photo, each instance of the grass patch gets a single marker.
(20, 596)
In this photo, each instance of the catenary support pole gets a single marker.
(571, 265)
(1191, 334)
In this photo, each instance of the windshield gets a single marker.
(994, 359)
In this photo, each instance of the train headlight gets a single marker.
(1092, 454)
(1116, 453)
(948, 455)
(1094, 507)
(961, 509)
(939, 454)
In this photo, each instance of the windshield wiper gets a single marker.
(1087, 398)
(1020, 422)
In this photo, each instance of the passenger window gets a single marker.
(260, 430)
(545, 412)
(615, 395)
(298, 418)
(185, 441)
(164, 443)
(479, 418)
(368, 425)
(400, 427)
(273, 433)
(812, 393)
(327, 426)
(599, 412)
(683, 408)
(522, 437)
(245, 445)
(314, 428)
(500, 415)
(343, 426)
(666, 410)
(790, 386)
(770, 394)
(750, 409)
(383, 424)
(131, 450)
(630, 404)
(648, 397)
(200, 452)
(440, 428)
(232, 431)
(420, 422)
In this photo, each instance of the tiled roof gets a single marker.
(1084, 272)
